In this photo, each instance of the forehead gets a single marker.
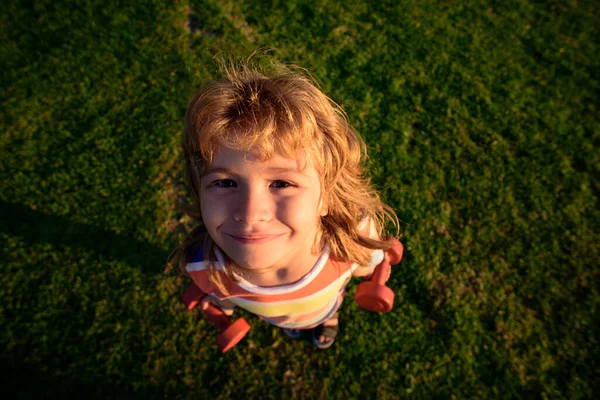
(239, 160)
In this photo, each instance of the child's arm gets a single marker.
(367, 228)
(227, 306)
(367, 270)
(197, 270)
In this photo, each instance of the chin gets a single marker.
(251, 263)
(255, 265)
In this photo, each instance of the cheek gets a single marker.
(300, 210)
(212, 209)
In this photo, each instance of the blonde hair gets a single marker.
(283, 111)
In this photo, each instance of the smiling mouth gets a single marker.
(254, 239)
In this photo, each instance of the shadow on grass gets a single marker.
(29, 382)
(47, 378)
(36, 227)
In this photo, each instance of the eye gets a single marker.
(281, 184)
(225, 183)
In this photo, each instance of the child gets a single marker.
(288, 216)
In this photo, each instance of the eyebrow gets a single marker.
(216, 170)
(231, 172)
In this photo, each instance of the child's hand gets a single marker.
(363, 272)
(210, 300)
(366, 271)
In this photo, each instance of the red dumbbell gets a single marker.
(373, 295)
(231, 333)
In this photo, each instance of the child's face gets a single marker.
(262, 214)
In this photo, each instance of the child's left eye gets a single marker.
(281, 184)
(225, 183)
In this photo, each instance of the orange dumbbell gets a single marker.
(231, 333)
(373, 295)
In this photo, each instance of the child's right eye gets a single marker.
(225, 183)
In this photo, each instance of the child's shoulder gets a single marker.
(197, 254)
(196, 251)
(197, 266)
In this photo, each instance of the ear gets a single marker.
(323, 209)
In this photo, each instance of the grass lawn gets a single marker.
(483, 127)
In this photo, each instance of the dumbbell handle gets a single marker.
(382, 272)
(230, 333)
(391, 256)
(194, 296)
(217, 317)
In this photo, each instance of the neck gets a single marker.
(278, 276)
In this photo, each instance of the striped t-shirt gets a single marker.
(300, 305)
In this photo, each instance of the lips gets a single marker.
(253, 238)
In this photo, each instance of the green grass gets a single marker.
(483, 129)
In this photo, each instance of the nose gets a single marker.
(253, 206)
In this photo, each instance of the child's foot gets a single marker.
(324, 335)
(293, 333)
